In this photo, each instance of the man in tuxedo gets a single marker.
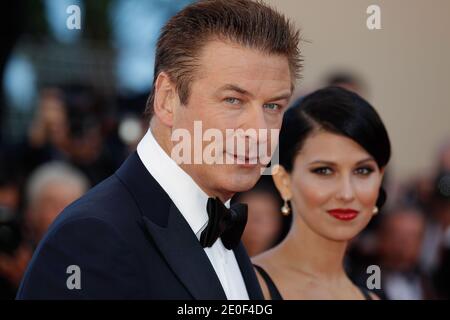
(161, 228)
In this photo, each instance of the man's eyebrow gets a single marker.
(233, 87)
(286, 96)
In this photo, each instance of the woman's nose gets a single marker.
(346, 190)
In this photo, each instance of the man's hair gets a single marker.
(251, 24)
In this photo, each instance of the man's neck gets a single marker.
(162, 136)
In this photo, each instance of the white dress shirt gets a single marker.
(191, 202)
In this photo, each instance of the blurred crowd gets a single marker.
(74, 141)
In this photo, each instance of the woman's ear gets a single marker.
(282, 181)
(166, 98)
(382, 171)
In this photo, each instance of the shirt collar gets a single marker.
(187, 196)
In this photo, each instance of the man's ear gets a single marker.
(282, 181)
(166, 99)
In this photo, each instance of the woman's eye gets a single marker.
(323, 171)
(233, 100)
(364, 171)
(272, 106)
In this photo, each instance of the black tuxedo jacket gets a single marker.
(129, 241)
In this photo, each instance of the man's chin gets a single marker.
(241, 182)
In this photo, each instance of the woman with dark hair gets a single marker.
(333, 152)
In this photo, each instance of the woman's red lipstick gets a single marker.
(344, 214)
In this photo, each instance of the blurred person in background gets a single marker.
(10, 180)
(347, 80)
(88, 151)
(73, 124)
(440, 272)
(50, 125)
(418, 191)
(48, 135)
(266, 225)
(441, 276)
(400, 238)
(15, 253)
(51, 188)
(92, 132)
(436, 195)
(444, 156)
(46, 140)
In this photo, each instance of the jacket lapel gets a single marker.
(183, 252)
(171, 233)
(248, 273)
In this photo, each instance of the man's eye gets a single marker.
(272, 106)
(233, 100)
(365, 171)
(323, 171)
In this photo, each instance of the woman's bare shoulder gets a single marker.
(264, 261)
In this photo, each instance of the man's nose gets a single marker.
(255, 121)
(255, 118)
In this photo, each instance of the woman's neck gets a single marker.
(304, 251)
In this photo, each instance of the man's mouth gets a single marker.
(243, 160)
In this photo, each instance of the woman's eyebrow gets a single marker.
(331, 163)
(365, 160)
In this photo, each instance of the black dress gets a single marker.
(276, 295)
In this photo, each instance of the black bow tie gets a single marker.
(228, 224)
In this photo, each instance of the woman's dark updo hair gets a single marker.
(339, 111)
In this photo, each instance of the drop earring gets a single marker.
(285, 209)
